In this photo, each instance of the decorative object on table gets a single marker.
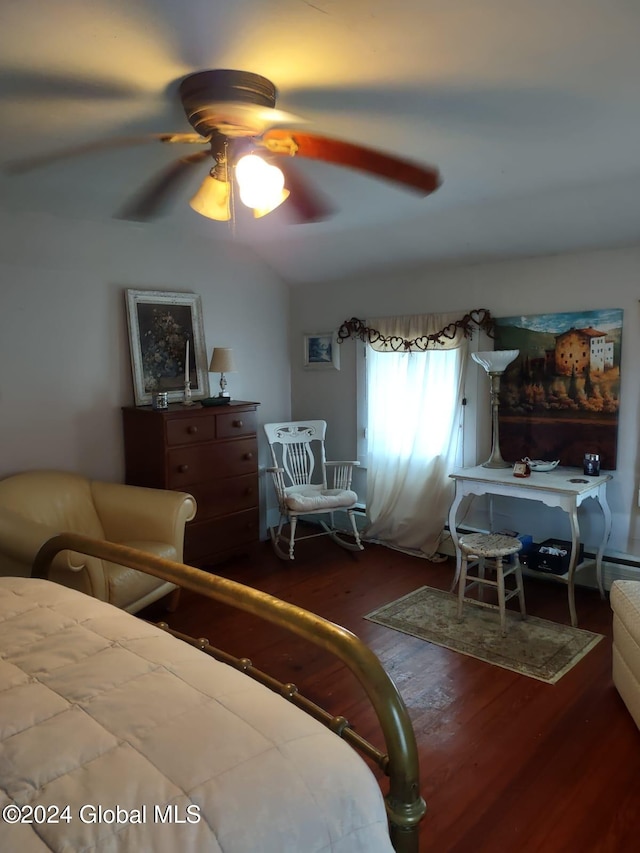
(159, 400)
(222, 362)
(187, 399)
(533, 647)
(591, 464)
(495, 363)
(160, 326)
(521, 469)
(562, 394)
(540, 465)
(321, 351)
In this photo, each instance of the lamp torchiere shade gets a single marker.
(495, 363)
(222, 362)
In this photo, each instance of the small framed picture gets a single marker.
(321, 351)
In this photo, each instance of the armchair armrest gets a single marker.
(277, 475)
(342, 473)
(21, 539)
(135, 512)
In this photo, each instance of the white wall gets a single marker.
(64, 347)
(586, 280)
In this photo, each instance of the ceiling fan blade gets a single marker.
(27, 164)
(153, 198)
(26, 84)
(412, 176)
(308, 202)
(440, 103)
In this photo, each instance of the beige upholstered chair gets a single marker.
(297, 450)
(625, 603)
(36, 505)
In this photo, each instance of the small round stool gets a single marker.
(493, 546)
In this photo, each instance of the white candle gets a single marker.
(186, 363)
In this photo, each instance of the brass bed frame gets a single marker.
(404, 804)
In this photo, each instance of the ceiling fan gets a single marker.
(252, 145)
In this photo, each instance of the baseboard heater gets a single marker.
(614, 566)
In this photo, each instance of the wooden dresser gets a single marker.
(210, 452)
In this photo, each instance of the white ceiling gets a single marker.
(530, 109)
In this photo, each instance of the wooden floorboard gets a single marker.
(508, 763)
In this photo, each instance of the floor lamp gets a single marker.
(495, 363)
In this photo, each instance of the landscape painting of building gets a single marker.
(561, 397)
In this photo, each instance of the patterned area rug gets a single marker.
(534, 647)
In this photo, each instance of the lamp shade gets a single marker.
(495, 361)
(212, 199)
(222, 361)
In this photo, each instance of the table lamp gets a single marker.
(495, 363)
(222, 362)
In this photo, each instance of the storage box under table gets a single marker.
(553, 556)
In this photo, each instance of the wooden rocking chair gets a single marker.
(294, 462)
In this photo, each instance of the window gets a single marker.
(410, 437)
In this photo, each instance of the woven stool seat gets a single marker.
(490, 544)
(494, 547)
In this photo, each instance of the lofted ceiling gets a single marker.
(529, 108)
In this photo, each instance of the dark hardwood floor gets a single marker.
(508, 763)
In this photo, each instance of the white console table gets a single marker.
(565, 488)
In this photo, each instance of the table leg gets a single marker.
(453, 511)
(606, 512)
(575, 549)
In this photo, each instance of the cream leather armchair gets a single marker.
(36, 505)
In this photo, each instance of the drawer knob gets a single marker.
(248, 491)
(192, 430)
(238, 423)
(248, 455)
(183, 469)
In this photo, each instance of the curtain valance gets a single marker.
(417, 332)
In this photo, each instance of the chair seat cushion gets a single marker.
(317, 499)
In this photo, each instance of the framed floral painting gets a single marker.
(166, 338)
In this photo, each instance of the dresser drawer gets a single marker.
(241, 423)
(215, 460)
(205, 539)
(220, 497)
(190, 430)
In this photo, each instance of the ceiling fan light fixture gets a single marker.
(213, 199)
(258, 212)
(261, 186)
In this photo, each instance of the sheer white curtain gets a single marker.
(414, 431)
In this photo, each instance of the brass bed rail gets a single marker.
(404, 805)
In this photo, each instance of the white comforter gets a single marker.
(114, 736)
